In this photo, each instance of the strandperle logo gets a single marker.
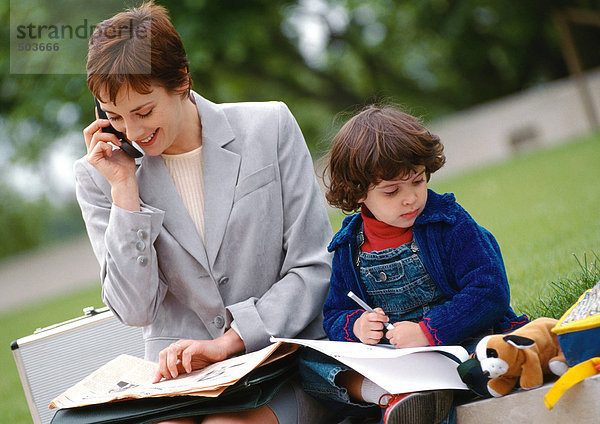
(51, 37)
(84, 31)
(33, 31)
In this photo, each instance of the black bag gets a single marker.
(471, 374)
(253, 391)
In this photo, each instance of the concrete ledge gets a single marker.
(580, 404)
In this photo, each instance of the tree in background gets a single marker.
(320, 57)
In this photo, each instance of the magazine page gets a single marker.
(128, 377)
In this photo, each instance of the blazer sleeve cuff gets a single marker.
(249, 325)
(148, 219)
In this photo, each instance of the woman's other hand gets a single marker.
(185, 356)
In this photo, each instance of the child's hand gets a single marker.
(406, 334)
(369, 327)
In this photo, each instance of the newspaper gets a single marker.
(129, 377)
(396, 370)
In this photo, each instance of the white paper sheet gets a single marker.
(396, 370)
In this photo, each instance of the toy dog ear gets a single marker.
(519, 342)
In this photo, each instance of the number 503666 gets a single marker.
(38, 47)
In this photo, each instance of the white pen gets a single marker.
(367, 308)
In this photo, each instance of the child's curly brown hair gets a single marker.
(379, 143)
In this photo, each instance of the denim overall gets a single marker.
(395, 280)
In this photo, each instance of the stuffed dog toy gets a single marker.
(524, 355)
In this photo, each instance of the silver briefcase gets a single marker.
(54, 358)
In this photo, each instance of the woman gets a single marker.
(215, 239)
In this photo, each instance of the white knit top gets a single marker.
(186, 172)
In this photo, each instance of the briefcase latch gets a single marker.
(90, 311)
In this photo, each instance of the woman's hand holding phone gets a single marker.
(114, 165)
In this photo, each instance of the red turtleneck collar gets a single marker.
(381, 236)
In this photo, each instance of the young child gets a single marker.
(415, 256)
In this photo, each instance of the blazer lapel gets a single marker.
(157, 189)
(221, 168)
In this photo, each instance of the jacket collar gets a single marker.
(347, 232)
(439, 208)
(221, 167)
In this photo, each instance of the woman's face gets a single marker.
(159, 122)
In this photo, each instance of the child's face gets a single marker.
(398, 202)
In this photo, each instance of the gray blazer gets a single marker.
(265, 266)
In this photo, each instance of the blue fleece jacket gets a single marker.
(462, 258)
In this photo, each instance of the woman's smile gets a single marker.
(148, 140)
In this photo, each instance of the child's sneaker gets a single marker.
(417, 408)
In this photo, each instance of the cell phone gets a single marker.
(126, 146)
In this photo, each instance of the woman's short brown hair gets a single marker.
(137, 48)
(379, 143)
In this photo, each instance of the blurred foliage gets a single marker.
(320, 57)
(29, 223)
(20, 227)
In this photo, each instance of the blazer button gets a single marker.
(142, 260)
(142, 234)
(223, 280)
(140, 245)
(219, 321)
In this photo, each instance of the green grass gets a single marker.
(22, 322)
(563, 293)
(543, 207)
